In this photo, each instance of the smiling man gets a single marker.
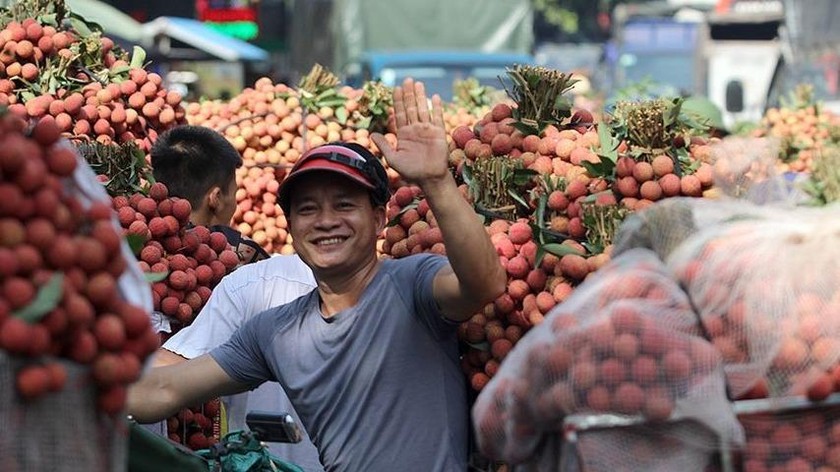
(369, 358)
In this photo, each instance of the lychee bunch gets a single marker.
(190, 260)
(640, 183)
(413, 227)
(196, 427)
(60, 260)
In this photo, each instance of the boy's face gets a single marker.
(334, 227)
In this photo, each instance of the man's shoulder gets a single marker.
(413, 262)
(282, 269)
(278, 316)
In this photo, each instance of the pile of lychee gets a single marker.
(92, 95)
(197, 427)
(640, 183)
(60, 262)
(189, 260)
(257, 212)
(533, 288)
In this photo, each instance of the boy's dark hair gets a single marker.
(190, 160)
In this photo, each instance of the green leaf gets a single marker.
(672, 112)
(540, 213)
(48, 19)
(135, 242)
(608, 143)
(592, 247)
(331, 102)
(138, 57)
(80, 25)
(482, 346)
(526, 129)
(560, 250)
(538, 258)
(396, 219)
(522, 176)
(518, 198)
(467, 174)
(364, 123)
(341, 115)
(119, 70)
(153, 277)
(592, 169)
(45, 301)
(563, 106)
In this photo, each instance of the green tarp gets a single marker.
(380, 25)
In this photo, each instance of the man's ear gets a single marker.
(381, 218)
(213, 198)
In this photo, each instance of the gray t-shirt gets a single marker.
(378, 386)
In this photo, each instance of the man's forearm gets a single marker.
(162, 391)
(468, 247)
(150, 399)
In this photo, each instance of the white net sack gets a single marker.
(766, 289)
(625, 343)
(665, 225)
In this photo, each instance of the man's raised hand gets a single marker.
(422, 152)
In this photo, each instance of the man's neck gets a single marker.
(343, 291)
(200, 218)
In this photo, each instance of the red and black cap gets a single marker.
(351, 160)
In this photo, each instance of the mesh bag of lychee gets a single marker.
(610, 443)
(767, 291)
(61, 432)
(796, 439)
(746, 168)
(666, 224)
(624, 343)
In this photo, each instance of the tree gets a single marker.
(575, 19)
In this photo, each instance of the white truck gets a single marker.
(744, 55)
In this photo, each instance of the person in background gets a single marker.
(370, 358)
(199, 164)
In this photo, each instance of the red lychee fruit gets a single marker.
(109, 331)
(662, 165)
(158, 192)
(33, 381)
(628, 399)
(181, 209)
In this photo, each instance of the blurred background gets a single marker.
(743, 55)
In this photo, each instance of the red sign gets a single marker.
(223, 11)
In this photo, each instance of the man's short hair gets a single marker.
(190, 160)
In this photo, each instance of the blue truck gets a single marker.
(653, 45)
